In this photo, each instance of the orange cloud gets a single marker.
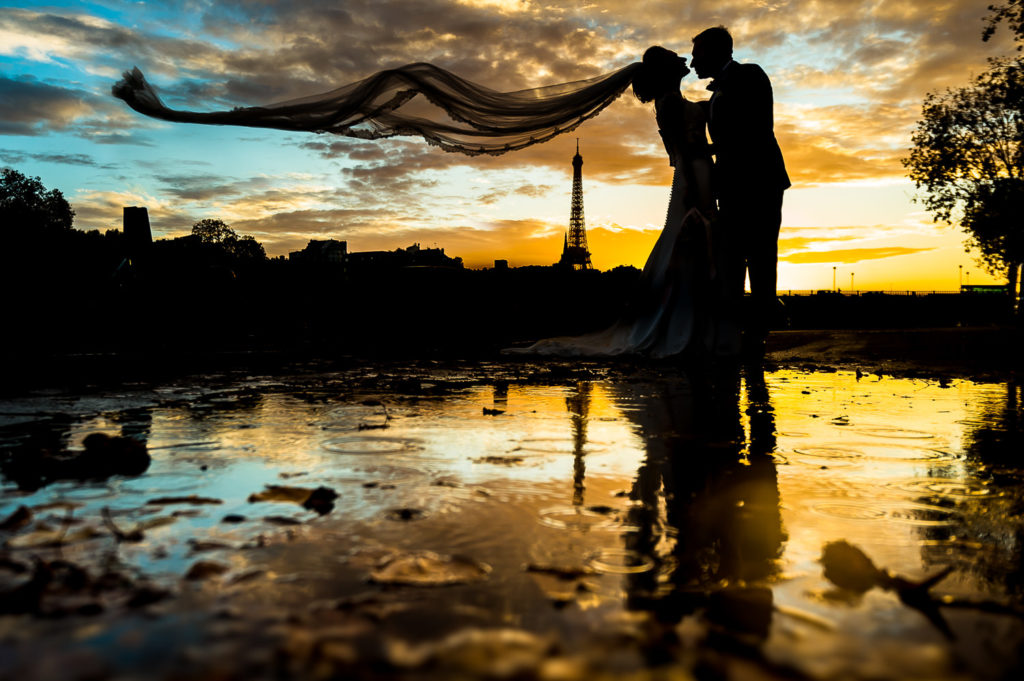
(849, 255)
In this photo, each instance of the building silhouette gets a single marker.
(411, 256)
(575, 254)
(137, 233)
(322, 251)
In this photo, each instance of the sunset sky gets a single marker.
(849, 78)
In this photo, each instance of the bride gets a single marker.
(671, 310)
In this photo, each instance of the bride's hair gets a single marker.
(662, 69)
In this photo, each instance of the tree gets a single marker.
(25, 204)
(212, 231)
(247, 248)
(217, 232)
(1012, 12)
(967, 161)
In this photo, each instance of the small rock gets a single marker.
(405, 514)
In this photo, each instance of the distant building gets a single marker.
(137, 234)
(412, 256)
(501, 264)
(330, 251)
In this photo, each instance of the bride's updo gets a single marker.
(661, 71)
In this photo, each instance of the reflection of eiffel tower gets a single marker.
(575, 254)
(578, 405)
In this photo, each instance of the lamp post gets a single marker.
(961, 275)
(833, 278)
(968, 277)
(851, 282)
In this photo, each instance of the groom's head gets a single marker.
(712, 49)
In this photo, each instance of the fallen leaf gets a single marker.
(190, 499)
(296, 495)
(204, 569)
(41, 538)
(320, 500)
(21, 517)
(848, 567)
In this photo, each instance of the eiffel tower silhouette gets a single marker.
(575, 254)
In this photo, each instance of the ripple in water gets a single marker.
(848, 509)
(620, 562)
(910, 454)
(370, 445)
(921, 515)
(831, 456)
(893, 432)
(574, 519)
(946, 488)
(553, 446)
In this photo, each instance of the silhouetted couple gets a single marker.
(723, 216)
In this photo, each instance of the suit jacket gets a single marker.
(741, 125)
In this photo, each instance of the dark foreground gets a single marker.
(850, 512)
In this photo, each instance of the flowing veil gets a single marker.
(451, 112)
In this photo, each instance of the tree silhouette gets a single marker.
(967, 160)
(218, 233)
(211, 231)
(246, 248)
(28, 208)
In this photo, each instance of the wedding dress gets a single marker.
(671, 309)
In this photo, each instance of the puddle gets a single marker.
(638, 522)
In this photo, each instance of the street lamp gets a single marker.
(833, 278)
(851, 282)
(961, 275)
(968, 277)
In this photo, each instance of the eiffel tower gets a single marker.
(575, 254)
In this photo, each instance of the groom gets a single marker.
(749, 178)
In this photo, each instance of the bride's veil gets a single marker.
(419, 100)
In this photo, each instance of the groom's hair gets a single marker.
(715, 39)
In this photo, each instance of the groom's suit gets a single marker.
(749, 178)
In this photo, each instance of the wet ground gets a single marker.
(514, 521)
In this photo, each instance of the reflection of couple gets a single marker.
(706, 504)
(723, 216)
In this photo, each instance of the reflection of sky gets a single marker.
(849, 81)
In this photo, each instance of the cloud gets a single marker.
(31, 107)
(797, 243)
(850, 255)
(14, 157)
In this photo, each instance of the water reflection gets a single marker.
(578, 404)
(706, 497)
(986, 535)
(690, 500)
